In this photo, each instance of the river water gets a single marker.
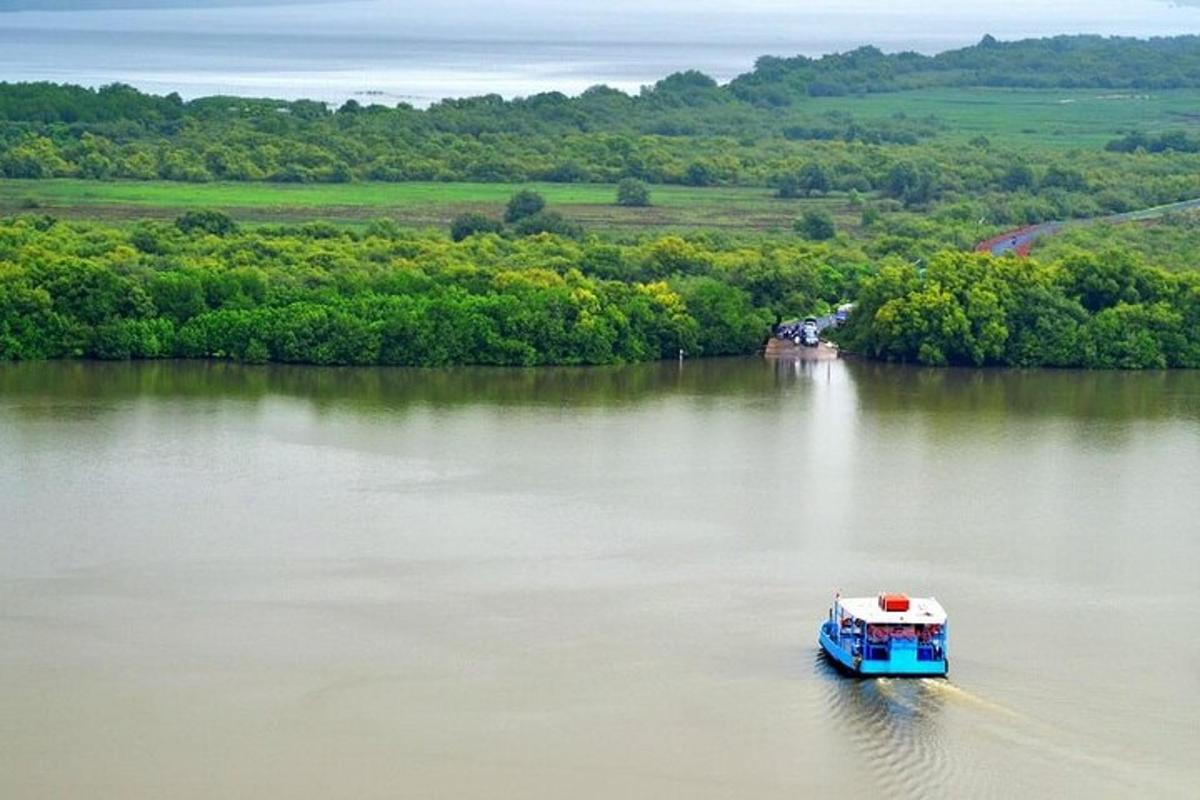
(390, 51)
(225, 581)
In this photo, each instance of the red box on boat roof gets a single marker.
(893, 602)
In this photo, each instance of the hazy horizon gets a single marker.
(631, 20)
(388, 50)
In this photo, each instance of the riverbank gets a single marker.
(784, 348)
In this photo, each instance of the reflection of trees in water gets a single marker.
(894, 726)
(881, 389)
(975, 393)
(391, 388)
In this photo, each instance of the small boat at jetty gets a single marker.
(891, 634)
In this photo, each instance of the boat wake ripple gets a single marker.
(957, 694)
(895, 726)
(900, 728)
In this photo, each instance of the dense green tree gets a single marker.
(471, 223)
(1134, 336)
(547, 222)
(1045, 332)
(29, 326)
(728, 324)
(1062, 177)
(208, 221)
(1099, 282)
(813, 179)
(633, 193)
(316, 294)
(178, 296)
(914, 184)
(33, 157)
(524, 203)
(787, 186)
(816, 225)
(971, 309)
(699, 173)
(1017, 178)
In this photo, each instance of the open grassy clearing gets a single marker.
(413, 204)
(1035, 118)
(1048, 117)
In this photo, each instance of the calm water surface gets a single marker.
(389, 51)
(219, 581)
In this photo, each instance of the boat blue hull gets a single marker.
(902, 663)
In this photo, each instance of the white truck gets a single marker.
(810, 333)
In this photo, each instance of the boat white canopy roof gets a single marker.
(921, 611)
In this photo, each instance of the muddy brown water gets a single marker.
(222, 581)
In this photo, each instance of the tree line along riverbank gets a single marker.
(318, 294)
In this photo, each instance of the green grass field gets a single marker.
(413, 204)
(1058, 118)
(1042, 118)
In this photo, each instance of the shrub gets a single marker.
(548, 222)
(469, 224)
(787, 186)
(524, 203)
(813, 179)
(816, 225)
(633, 193)
(206, 221)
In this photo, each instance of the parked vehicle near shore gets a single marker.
(803, 334)
(810, 333)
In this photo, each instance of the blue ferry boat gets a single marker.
(891, 634)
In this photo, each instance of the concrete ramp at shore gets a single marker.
(785, 348)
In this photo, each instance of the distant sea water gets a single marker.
(391, 51)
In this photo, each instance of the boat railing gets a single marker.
(878, 641)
